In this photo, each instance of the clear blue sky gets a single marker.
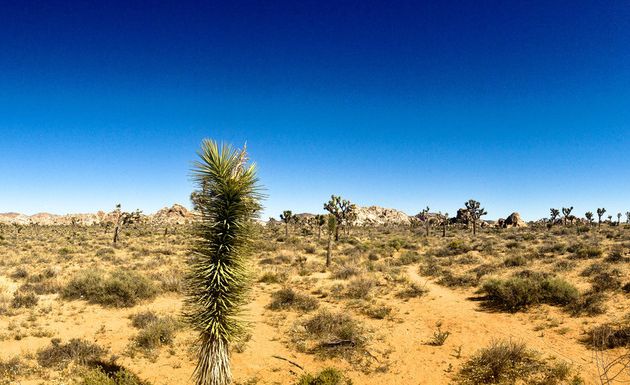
(521, 106)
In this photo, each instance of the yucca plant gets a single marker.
(227, 201)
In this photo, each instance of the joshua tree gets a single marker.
(618, 219)
(566, 211)
(600, 214)
(475, 212)
(123, 219)
(320, 221)
(627, 216)
(332, 229)
(217, 282)
(589, 217)
(286, 217)
(555, 213)
(342, 209)
(425, 219)
(444, 222)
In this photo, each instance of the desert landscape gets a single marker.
(405, 299)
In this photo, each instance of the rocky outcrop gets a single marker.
(514, 220)
(380, 216)
(176, 214)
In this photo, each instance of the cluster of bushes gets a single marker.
(155, 330)
(610, 336)
(336, 334)
(509, 362)
(77, 351)
(520, 292)
(328, 376)
(121, 288)
(288, 298)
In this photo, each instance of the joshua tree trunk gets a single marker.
(286, 229)
(329, 251)
(337, 234)
(444, 229)
(116, 232)
(474, 223)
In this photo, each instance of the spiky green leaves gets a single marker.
(227, 200)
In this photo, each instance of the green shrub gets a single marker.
(11, 368)
(119, 289)
(141, 320)
(412, 290)
(328, 376)
(76, 350)
(156, 333)
(333, 333)
(287, 298)
(509, 362)
(359, 288)
(517, 293)
(22, 299)
(409, 257)
(590, 303)
(120, 376)
(345, 272)
(583, 251)
(514, 261)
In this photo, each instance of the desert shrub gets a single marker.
(105, 253)
(509, 362)
(328, 376)
(409, 257)
(582, 251)
(564, 265)
(19, 273)
(626, 288)
(287, 298)
(345, 272)
(12, 368)
(412, 290)
(456, 280)
(272, 277)
(590, 303)
(333, 333)
(604, 281)
(47, 286)
(431, 268)
(142, 319)
(518, 293)
(119, 289)
(277, 260)
(359, 288)
(109, 374)
(515, 260)
(593, 269)
(609, 336)
(552, 248)
(171, 282)
(22, 299)
(158, 332)
(76, 350)
(467, 259)
(483, 270)
(377, 311)
(454, 247)
(616, 256)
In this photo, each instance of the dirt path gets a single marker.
(471, 328)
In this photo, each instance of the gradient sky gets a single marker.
(522, 106)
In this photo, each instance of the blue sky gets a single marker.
(522, 106)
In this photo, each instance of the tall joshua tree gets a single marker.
(618, 219)
(589, 217)
(627, 216)
(566, 211)
(332, 229)
(475, 212)
(217, 282)
(444, 222)
(286, 217)
(320, 221)
(425, 219)
(555, 213)
(600, 214)
(342, 209)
